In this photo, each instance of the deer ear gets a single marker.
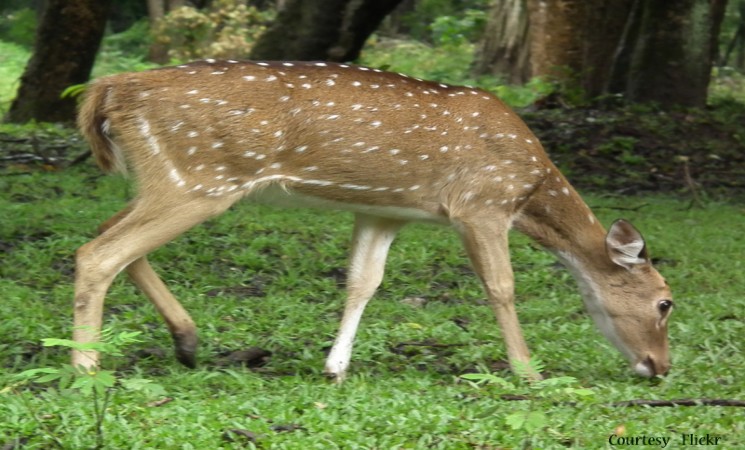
(625, 245)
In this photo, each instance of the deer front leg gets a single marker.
(146, 226)
(487, 245)
(370, 243)
(180, 324)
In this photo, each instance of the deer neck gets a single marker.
(558, 219)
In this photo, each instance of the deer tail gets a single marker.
(94, 124)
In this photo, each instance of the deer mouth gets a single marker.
(648, 368)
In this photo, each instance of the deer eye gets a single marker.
(665, 305)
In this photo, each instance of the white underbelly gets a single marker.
(275, 195)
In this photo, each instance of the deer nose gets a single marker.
(648, 367)
(661, 367)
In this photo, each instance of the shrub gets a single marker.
(227, 29)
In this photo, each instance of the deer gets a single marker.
(391, 149)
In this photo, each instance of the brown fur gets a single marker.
(390, 148)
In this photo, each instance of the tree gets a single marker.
(647, 50)
(566, 40)
(332, 30)
(674, 50)
(157, 9)
(67, 39)
(502, 50)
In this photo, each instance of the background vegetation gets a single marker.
(268, 312)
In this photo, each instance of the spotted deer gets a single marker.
(390, 148)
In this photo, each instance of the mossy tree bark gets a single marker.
(503, 51)
(648, 50)
(67, 41)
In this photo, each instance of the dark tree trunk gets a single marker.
(158, 52)
(604, 29)
(673, 54)
(618, 78)
(397, 23)
(504, 50)
(67, 40)
(333, 30)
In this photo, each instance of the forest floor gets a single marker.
(632, 149)
(602, 147)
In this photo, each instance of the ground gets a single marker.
(633, 149)
(603, 147)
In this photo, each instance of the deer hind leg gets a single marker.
(370, 243)
(487, 245)
(180, 324)
(142, 227)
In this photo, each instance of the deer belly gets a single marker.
(282, 196)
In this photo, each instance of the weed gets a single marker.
(99, 386)
(538, 395)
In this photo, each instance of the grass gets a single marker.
(269, 278)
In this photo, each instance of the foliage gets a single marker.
(226, 29)
(449, 64)
(18, 27)
(727, 84)
(540, 395)
(13, 59)
(135, 40)
(456, 30)
(96, 384)
(125, 52)
(73, 91)
(427, 16)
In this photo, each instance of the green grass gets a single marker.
(13, 59)
(266, 277)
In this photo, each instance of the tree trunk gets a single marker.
(67, 40)
(574, 40)
(618, 78)
(504, 50)
(556, 36)
(156, 10)
(673, 54)
(604, 30)
(333, 30)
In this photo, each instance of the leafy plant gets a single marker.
(227, 29)
(538, 394)
(456, 30)
(73, 91)
(19, 27)
(95, 384)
